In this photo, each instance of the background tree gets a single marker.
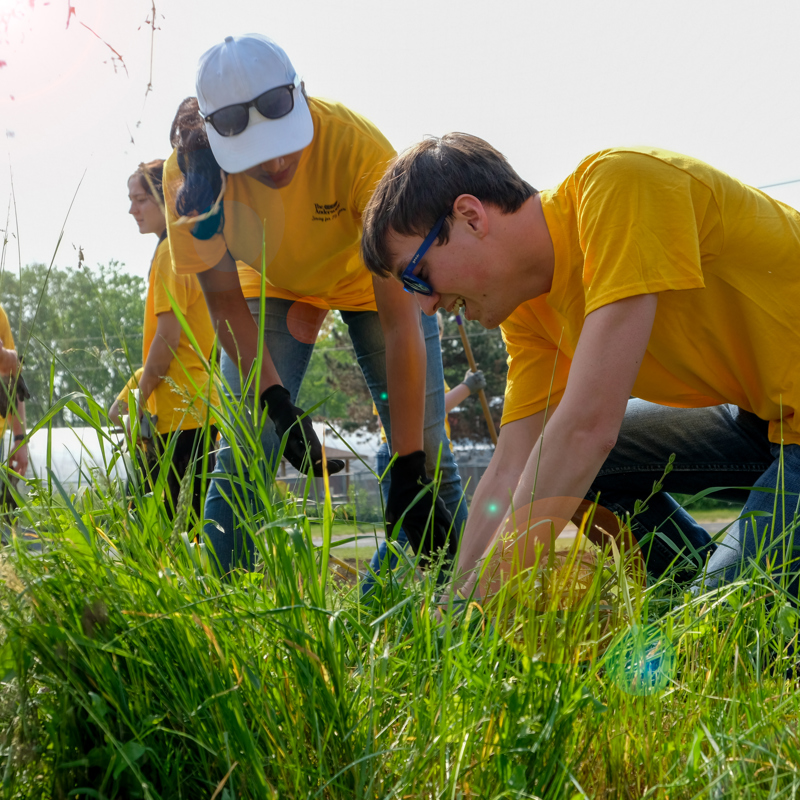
(83, 326)
(468, 422)
(335, 380)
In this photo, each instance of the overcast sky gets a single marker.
(545, 82)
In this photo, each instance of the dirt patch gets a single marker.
(345, 571)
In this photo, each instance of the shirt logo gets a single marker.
(325, 212)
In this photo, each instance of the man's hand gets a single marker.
(427, 522)
(19, 458)
(302, 441)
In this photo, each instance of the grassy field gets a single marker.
(130, 669)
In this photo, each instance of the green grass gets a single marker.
(130, 669)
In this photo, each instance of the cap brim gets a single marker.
(263, 139)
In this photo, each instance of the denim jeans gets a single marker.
(718, 446)
(382, 459)
(291, 358)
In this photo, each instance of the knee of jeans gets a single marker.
(222, 465)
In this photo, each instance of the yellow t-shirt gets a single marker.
(446, 421)
(7, 338)
(180, 398)
(724, 259)
(312, 227)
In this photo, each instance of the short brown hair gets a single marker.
(423, 182)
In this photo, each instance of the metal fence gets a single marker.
(358, 491)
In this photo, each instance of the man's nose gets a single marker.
(427, 302)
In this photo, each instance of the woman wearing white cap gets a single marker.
(264, 175)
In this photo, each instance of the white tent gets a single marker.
(76, 456)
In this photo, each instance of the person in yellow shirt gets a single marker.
(264, 175)
(174, 383)
(644, 274)
(9, 363)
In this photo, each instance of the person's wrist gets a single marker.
(18, 437)
(410, 465)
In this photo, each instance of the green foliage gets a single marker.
(335, 380)
(85, 324)
(129, 668)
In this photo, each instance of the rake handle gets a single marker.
(474, 367)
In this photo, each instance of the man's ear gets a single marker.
(467, 208)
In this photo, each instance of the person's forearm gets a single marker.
(116, 411)
(405, 368)
(238, 335)
(156, 367)
(488, 508)
(9, 361)
(557, 486)
(17, 414)
(458, 394)
(234, 324)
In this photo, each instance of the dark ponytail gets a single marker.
(202, 174)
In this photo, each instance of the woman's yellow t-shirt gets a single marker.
(181, 397)
(311, 229)
(7, 338)
(724, 259)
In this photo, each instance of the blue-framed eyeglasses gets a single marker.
(411, 283)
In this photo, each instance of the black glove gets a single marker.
(426, 536)
(302, 440)
(13, 390)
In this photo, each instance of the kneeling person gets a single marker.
(644, 273)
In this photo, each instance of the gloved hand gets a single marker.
(210, 226)
(302, 440)
(474, 381)
(426, 537)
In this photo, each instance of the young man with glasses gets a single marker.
(263, 174)
(643, 274)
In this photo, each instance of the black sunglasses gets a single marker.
(273, 104)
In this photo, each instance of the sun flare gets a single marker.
(13, 8)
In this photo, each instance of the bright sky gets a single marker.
(545, 82)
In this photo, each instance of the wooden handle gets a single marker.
(474, 367)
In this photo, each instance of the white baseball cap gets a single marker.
(237, 71)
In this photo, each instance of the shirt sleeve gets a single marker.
(537, 371)
(6, 335)
(183, 289)
(189, 255)
(638, 228)
(133, 383)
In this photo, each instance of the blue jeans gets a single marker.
(382, 459)
(291, 358)
(721, 446)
